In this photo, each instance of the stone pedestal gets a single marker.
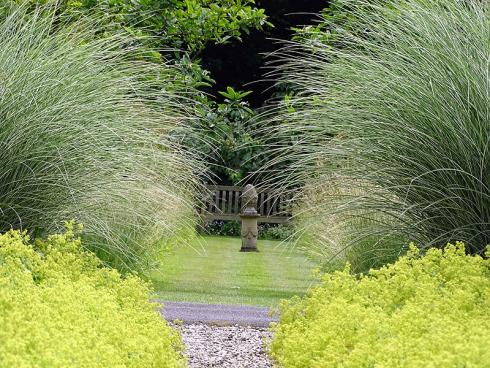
(249, 216)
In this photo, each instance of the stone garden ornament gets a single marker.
(249, 218)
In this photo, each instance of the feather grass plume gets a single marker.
(390, 129)
(86, 133)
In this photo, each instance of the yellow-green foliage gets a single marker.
(60, 308)
(429, 311)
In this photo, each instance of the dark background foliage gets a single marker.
(240, 64)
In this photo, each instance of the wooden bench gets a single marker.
(225, 203)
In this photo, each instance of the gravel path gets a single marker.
(217, 314)
(225, 347)
(221, 336)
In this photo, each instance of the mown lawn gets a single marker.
(213, 270)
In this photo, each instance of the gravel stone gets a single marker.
(225, 346)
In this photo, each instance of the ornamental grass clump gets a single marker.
(88, 133)
(422, 311)
(60, 308)
(390, 122)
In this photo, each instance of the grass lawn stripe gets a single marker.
(221, 274)
(295, 264)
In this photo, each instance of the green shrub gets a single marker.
(429, 311)
(60, 308)
(232, 228)
(390, 119)
(221, 228)
(276, 231)
(86, 133)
